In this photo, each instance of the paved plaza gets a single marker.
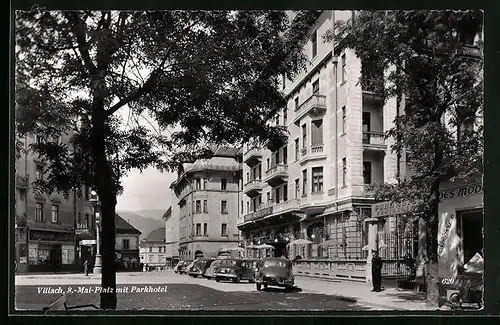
(169, 291)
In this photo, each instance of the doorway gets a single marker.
(471, 233)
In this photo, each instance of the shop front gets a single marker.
(51, 251)
(460, 243)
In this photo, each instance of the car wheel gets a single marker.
(288, 288)
(236, 280)
(265, 285)
(259, 287)
(217, 280)
(195, 276)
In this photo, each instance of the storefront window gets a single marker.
(471, 232)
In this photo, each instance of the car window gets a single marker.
(275, 264)
(228, 262)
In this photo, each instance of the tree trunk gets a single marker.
(107, 195)
(431, 278)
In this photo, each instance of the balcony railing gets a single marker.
(253, 186)
(376, 139)
(373, 86)
(252, 155)
(276, 171)
(314, 105)
(312, 152)
(22, 181)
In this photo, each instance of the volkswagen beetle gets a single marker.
(275, 272)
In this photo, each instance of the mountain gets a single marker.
(141, 222)
(155, 214)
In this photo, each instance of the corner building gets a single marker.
(205, 201)
(314, 186)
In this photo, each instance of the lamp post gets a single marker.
(94, 200)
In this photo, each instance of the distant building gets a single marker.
(152, 248)
(171, 237)
(127, 243)
(45, 222)
(205, 201)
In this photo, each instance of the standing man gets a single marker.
(376, 271)
(86, 267)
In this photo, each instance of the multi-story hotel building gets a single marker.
(314, 186)
(45, 223)
(205, 201)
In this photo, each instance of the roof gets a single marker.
(157, 235)
(226, 152)
(123, 226)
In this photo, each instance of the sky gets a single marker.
(148, 190)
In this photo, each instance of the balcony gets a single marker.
(253, 187)
(362, 191)
(277, 174)
(286, 206)
(252, 156)
(313, 203)
(22, 182)
(312, 153)
(373, 89)
(314, 106)
(374, 141)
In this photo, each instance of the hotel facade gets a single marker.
(315, 186)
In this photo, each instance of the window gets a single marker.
(297, 149)
(285, 155)
(198, 184)
(344, 171)
(248, 207)
(268, 196)
(39, 139)
(314, 42)
(79, 217)
(317, 179)
(285, 193)
(87, 219)
(267, 161)
(284, 81)
(39, 172)
(304, 182)
(87, 193)
(39, 212)
(242, 206)
(205, 182)
(55, 213)
(367, 172)
(296, 103)
(317, 132)
(297, 188)
(304, 136)
(316, 87)
(285, 117)
(277, 195)
(198, 229)
(223, 229)
(198, 206)
(344, 120)
(126, 243)
(223, 184)
(344, 75)
(223, 207)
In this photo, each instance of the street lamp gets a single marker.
(94, 200)
(276, 240)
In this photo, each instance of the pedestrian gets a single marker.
(86, 267)
(376, 271)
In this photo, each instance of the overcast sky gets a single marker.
(147, 191)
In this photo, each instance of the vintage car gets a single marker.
(275, 272)
(253, 264)
(234, 270)
(200, 267)
(209, 273)
(182, 269)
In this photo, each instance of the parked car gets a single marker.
(176, 267)
(253, 264)
(209, 273)
(200, 267)
(234, 270)
(189, 267)
(183, 268)
(275, 272)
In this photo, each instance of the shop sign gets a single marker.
(391, 208)
(88, 242)
(263, 213)
(51, 236)
(461, 192)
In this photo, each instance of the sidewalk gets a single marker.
(389, 298)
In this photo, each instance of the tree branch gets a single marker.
(79, 29)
